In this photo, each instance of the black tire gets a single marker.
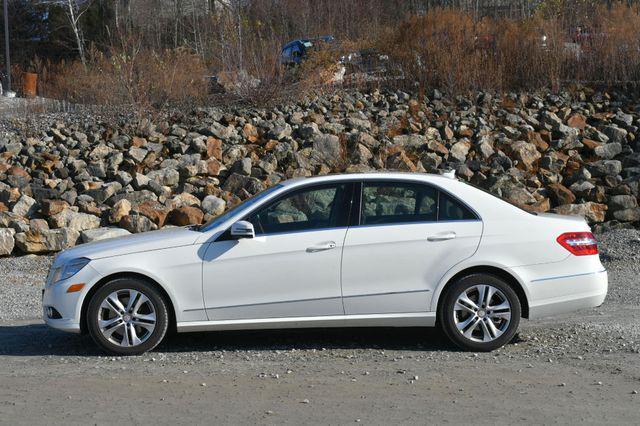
(446, 318)
(159, 305)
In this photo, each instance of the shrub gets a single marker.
(131, 76)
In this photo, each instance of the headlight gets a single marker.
(68, 269)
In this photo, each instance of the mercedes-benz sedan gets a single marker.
(392, 250)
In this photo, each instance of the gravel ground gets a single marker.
(583, 367)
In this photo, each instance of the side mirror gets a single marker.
(242, 229)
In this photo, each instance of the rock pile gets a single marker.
(573, 153)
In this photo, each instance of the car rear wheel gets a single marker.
(127, 317)
(480, 312)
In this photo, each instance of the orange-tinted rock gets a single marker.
(138, 142)
(213, 167)
(18, 171)
(561, 194)
(591, 144)
(153, 210)
(186, 216)
(536, 139)
(577, 121)
(53, 207)
(250, 132)
(214, 148)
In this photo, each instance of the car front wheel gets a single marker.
(480, 312)
(127, 317)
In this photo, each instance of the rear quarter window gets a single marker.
(450, 209)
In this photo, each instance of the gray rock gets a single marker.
(608, 150)
(605, 168)
(236, 182)
(140, 181)
(327, 149)
(137, 224)
(97, 234)
(622, 202)
(6, 241)
(100, 195)
(74, 221)
(25, 206)
(279, 131)
(167, 176)
(138, 154)
(308, 131)
(627, 215)
(459, 151)
(411, 141)
(213, 205)
(615, 134)
(242, 166)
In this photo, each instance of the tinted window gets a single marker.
(302, 210)
(235, 210)
(286, 54)
(451, 209)
(396, 202)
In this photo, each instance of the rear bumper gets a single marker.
(560, 294)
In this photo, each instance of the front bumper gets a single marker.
(67, 305)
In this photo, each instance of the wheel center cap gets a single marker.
(481, 313)
(126, 318)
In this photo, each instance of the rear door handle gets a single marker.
(442, 236)
(328, 245)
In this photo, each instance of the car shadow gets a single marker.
(41, 340)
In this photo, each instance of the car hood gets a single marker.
(147, 241)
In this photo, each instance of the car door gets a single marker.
(292, 266)
(408, 235)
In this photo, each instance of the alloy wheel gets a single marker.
(127, 317)
(482, 313)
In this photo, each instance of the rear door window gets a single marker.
(397, 202)
(409, 202)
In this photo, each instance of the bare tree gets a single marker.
(74, 9)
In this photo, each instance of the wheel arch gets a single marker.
(497, 271)
(131, 275)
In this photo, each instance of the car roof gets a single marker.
(426, 177)
(326, 39)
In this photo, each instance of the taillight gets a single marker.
(579, 243)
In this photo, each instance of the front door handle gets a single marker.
(442, 236)
(328, 245)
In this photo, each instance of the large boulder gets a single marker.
(155, 211)
(135, 223)
(592, 212)
(526, 153)
(627, 215)
(213, 205)
(25, 206)
(45, 241)
(327, 149)
(119, 210)
(97, 234)
(560, 194)
(608, 150)
(74, 220)
(186, 215)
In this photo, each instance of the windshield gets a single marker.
(216, 221)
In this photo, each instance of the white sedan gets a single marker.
(383, 249)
